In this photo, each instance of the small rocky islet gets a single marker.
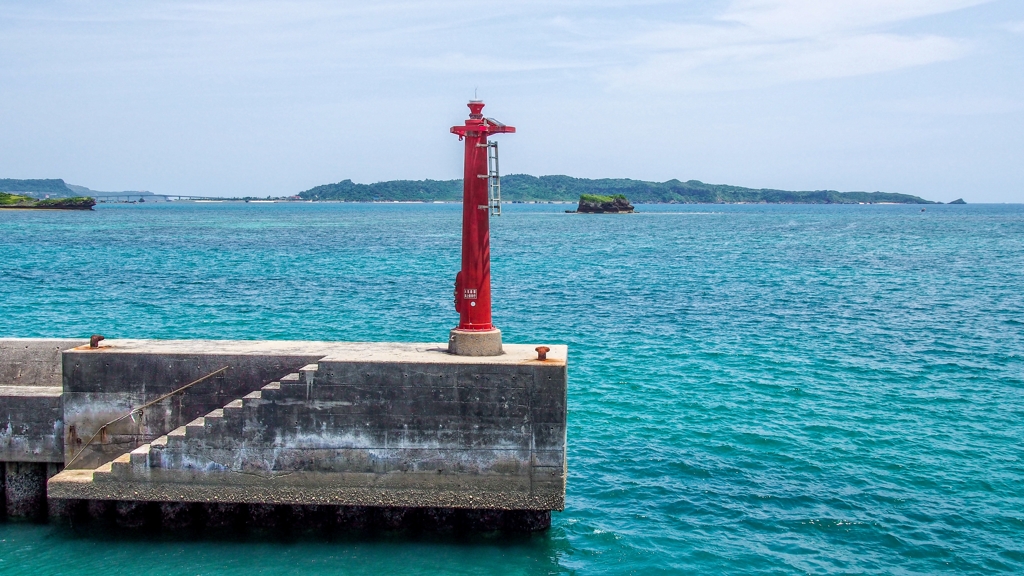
(596, 204)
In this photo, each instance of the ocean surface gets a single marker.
(752, 389)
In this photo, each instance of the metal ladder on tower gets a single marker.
(493, 180)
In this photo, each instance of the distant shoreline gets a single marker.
(527, 188)
(229, 200)
(514, 188)
(42, 208)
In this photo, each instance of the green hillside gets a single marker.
(523, 187)
(36, 187)
(408, 190)
(14, 199)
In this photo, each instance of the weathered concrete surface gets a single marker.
(475, 342)
(33, 361)
(321, 519)
(108, 382)
(31, 424)
(372, 424)
(31, 406)
(25, 489)
(352, 489)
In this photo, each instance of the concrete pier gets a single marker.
(374, 434)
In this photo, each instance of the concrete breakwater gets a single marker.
(354, 434)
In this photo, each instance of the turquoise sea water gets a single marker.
(753, 389)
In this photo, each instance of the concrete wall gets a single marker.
(31, 408)
(483, 419)
(106, 383)
(31, 422)
(33, 361)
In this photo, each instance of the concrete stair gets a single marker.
(221, 430)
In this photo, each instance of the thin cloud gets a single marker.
(459, 61)
(648, 46)
(801, 18)
(763, 42)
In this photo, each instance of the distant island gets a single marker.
(526, 188)
(12, 201)
(594, 204)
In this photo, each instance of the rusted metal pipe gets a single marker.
(542, 352)
(94, 340)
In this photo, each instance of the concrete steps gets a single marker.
(220, 429)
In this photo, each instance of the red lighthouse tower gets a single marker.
(476, 336)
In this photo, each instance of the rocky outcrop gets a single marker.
(592, 204)
(958, 201)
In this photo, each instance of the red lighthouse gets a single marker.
(481, 196)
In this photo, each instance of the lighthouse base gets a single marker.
(475, 342)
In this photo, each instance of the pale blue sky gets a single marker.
(923, 97)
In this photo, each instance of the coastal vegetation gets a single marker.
(20, 201)
(13, 199)
(526, 188)
(400, 190)
(596, 199)
(596, 204)
(76, 203)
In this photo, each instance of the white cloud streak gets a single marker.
(755, 43)
(623, 46)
